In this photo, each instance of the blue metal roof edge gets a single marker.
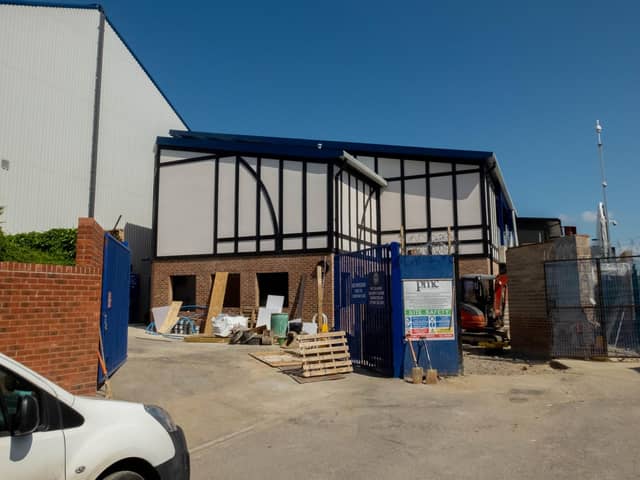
(98, 7)
(88, 6)
(352, 147)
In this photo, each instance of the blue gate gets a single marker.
(362, 300)
(114, 312)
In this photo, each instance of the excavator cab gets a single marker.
(483, 301)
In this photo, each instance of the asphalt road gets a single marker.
(244, 419)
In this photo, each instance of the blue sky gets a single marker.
(526, 80)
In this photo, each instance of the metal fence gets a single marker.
(363, 306)
(594, 307)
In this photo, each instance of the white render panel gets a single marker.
(226, 197)
(344, 207)
(185, 217)
(461, 167)
(133, 113)
(415, 167)
(389, 167)
(415, 203)
(439, 167)
(292, 192)
(390, 207)
(225, 247)
(441, 201)
(316, 197)
(47, 80)
(267, 245)
(353, 189)
(473, 234)
(292, 244)
(470, 248)
(247, 246)
(469, 204)
(247, 201)
(173, 155)
(269, 176)
(368, 161)
(317, 242)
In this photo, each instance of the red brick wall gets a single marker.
(49, 314)
(530, 328)
(298, 266)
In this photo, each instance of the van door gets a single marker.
(35, 455)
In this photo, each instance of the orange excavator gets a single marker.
(484, 298)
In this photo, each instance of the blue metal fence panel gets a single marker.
(362, 291)
(114, 312)
(445, 354)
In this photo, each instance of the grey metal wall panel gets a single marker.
(439, 167)
(269, 175)
(415, 167)
(47, 78)
(173, 155)
(185, 219)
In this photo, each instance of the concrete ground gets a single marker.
(244, 419)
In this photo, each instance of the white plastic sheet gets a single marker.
(223, 324)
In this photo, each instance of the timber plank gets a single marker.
(216, 300)
(332, 371)
(172, 318)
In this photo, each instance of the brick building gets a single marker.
(269, 210)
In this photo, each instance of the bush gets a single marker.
(57, 246)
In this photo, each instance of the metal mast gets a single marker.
(606, 242)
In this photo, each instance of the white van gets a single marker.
(47, 433)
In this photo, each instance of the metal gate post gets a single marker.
(397, 323)
(336, 292)
(601, 311)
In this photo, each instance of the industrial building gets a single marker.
(269, 210)
(79, 119)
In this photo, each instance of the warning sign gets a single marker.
(428, 309)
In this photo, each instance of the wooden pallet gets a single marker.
(324, 354)
(276, 358)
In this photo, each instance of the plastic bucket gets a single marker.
(279, 323)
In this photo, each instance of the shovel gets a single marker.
(416, 371)
(432, 373)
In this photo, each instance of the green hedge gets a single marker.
(57, 246)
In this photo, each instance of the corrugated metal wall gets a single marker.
(47, 78)
(47, 85)
(133, 113)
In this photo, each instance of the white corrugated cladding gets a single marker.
(133, 113)
(47, 79)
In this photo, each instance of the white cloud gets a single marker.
(589, 216)
(566, 219)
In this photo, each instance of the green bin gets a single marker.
(279, 324)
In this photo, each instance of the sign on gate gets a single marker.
(377, 287)
(428, 309)
(359, 290)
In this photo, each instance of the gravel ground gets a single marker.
(478, 361)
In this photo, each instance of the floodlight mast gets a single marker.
(606, 249)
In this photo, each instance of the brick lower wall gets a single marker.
(49, 314)
(530, 327)
(471, 265)
(298, 266)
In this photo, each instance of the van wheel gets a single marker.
(124, 475)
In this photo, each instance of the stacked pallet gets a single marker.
(324, 354)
